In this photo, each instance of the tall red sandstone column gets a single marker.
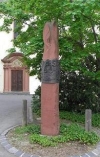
(50, 81)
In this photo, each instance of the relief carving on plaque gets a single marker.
(50, 71)
(17, 63)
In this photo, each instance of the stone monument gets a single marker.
(50, 76)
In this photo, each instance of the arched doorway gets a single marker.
(16, 77)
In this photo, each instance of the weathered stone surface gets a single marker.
(50, 37)
(50, 109)
(88, 119)
(50, 81)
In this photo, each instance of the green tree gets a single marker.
(78, 22)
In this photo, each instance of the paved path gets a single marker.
(10, 114)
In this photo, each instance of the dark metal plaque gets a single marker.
(50, 71)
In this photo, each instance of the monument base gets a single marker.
(50, 109)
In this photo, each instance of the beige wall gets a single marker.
(1, 77)
(33, 84)
(5, 43)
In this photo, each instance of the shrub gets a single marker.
(77, 93)
(36, 100)
(80, 118)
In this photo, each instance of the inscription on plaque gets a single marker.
(50, 71)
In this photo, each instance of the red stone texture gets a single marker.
(50, 109)
(50, 37)
(50, 92)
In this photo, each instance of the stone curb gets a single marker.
(18, 153)
(15, 93)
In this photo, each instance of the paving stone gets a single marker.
(18, 153)
(85, 155)
(98, 147)
(4, 133)
(76, 156)
(35, 155)
(13, 150)
(96, 151)
(8, 146)
(4, 143)
(2, 136)
(2, 139)
(91, 154)
(26, 155)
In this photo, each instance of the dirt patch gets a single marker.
(21, 142)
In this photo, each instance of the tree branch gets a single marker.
(94, 33)
(92, 25)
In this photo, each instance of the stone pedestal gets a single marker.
(50, 109)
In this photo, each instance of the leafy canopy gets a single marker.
(79, 26)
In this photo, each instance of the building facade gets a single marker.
(14, 76)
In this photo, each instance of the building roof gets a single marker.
(9, 57)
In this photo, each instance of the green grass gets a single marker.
(72, 132)
(29, 129)
(80, 118)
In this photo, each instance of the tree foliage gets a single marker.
(78, 22)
